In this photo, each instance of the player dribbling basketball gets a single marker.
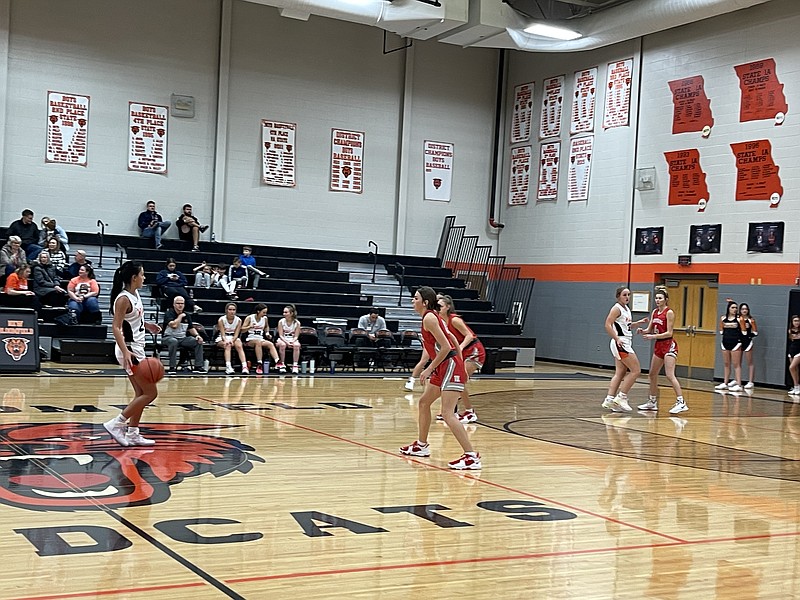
(129, 334)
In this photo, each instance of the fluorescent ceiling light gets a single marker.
(558, 33)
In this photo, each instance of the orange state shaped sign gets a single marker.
(692, 108)
(756, 173)
(762, 93)
(687, 181)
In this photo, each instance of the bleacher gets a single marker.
(311, 279)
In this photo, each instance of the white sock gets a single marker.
(411, 380)
(229, 365)
(680, 400)
(653, 398)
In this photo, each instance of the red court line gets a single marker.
(488, 559)
(154, 588)
(450, 471)
(415, 565)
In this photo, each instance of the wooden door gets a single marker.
(694, 302)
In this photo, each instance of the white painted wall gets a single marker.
(320, 74)
(597, 230)
(114, 52)
(712, 49)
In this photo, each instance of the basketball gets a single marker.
(150, 370)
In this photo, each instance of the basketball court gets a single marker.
(261, 486)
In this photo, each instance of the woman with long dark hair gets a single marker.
(129, 334)
(445, 376)
(749, 329)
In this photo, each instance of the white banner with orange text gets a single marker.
(67, 128)
(438, 157)
(147, 138)
(278, 153)
(347, 157)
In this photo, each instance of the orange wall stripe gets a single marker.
(729, 273)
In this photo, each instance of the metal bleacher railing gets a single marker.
(495, 282)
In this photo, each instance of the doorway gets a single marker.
(694, 302)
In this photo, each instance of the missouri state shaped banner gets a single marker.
(687, 181)
(762, 93)
(757, 174)
(692, 108)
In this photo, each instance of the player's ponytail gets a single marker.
(122, 277)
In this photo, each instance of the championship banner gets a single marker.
(687, 181)
(618, 94)
(438, 170)
(278, 153)
(67, 128)
(762, 93)
(552, 101)
(519, 181)
(583, 102)
(692, 108)
(347, 156)
(757, 174)
(549, 154)
(147, 138)
(523, 112)
(580, 167)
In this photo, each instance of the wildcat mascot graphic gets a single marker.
(78, 466)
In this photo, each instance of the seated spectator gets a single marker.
(372, 323)
(83, 291)
(189, 228)
(179, 331)
(50, 229)
(287, 331)
(151, 225)
(47, 282)
(12, 256)
(28, 233)
(235, 278)
(257, 328)
(173, 283)
(249, 262)
(58, 258)
(80, 261)
(203, 275)
(229, 326)
(18, 292)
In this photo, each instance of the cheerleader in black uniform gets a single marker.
(747, 325)
(794, 354)
(731, 348)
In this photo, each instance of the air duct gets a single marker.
(493, 24)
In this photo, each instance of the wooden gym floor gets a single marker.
(267, 486)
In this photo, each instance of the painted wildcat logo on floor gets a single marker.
(78, 466)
